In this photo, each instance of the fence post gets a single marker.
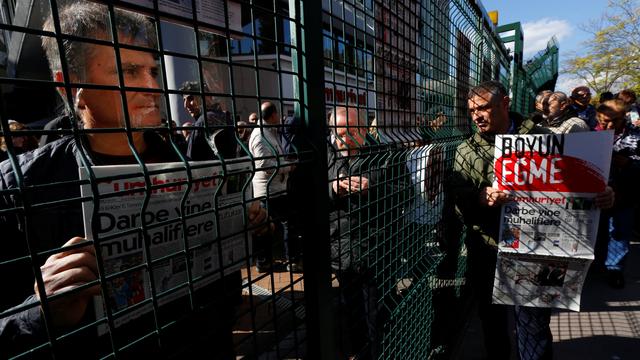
(311, 184)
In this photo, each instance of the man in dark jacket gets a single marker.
(617, 222)
(581, 104)
(41, 216)
(212, 135)
(369, 186)
(542, 107)
(479, 205)
(562, 118)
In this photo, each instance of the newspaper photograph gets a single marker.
(208, 217)
(208, 11)
(551, 282)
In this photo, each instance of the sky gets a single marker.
(542, 19)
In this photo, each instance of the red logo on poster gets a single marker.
(533, 172)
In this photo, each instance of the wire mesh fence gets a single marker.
(241, 179)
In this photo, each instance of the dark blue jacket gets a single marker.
(47, 188)
(213, 138)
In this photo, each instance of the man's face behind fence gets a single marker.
(489, 112)
(103, 108)
(350, 136)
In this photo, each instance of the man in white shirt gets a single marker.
(265, 146)
(270, 179)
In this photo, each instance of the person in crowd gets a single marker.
(54, 232)
(186, 131)
(607, 95)
(366, 194)
(20, 143)
(373, 130)
(581, 104)
(479, 205)
(618, 221)
(212, 138)
(290, 136)
(213, 134)
(292, 144)
(439, 121)
(352, 178)
(253, 118)
(633, 111)
(270, 180)
(244, 132)
(561, 116)
(174, 135)
(542, 106)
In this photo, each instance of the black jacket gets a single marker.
(363, 222)
(213, 138)
(60, 123)
(40, 210)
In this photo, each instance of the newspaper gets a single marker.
(546, 224)
(207, 11)
(553, 180)
(208, 217)
(426, 166)
(539, 281)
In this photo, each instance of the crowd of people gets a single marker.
(617, 112)
(366, 196)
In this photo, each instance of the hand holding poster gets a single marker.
(552, 220)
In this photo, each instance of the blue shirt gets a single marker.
(587, 114)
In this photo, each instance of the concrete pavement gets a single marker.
(607, 327)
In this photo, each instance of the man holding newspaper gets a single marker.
(65, 265)
(479, 204)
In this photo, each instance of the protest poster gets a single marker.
(553, 180)
(149, 224)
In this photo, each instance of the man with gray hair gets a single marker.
(49, 239)
(270, 181)
(352, 177)
(479, 205)
(85, 22)
(368, 187)
(562, 118)
(542, 106)
(60, 227)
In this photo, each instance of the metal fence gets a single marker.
(321, 231)
(536, 74)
